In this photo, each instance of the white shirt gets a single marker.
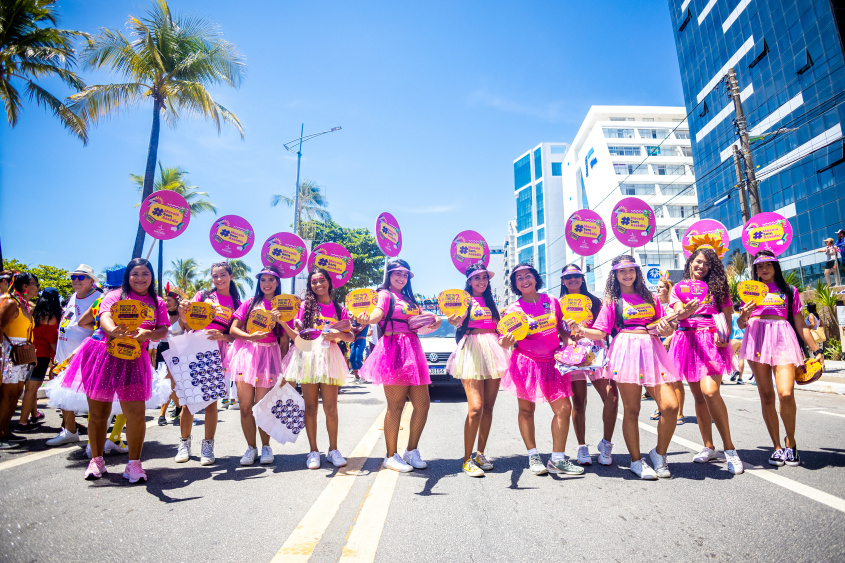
(71, 334)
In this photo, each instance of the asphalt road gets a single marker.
(230, 513)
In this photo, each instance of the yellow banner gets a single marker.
(124, 348)
(287, 305)
(453, 301)
(360, 301)
(164, 213)
(469, 251)
(260, 321)
(752, 291)
(130, 313)
(199, 315)
(576, 307)
(286, 254)
(515, 323)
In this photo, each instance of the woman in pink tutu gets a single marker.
(701, 357)
(532, 376)
(771, 347)
(399, 364)
(572, 282)
(479, 362)
(106, 378)
(255, 360)
(637, 359)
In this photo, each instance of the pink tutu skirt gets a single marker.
(771, 342)
(640, 359)
(588, 375)
(535, 380)
(223, 346)
(696, 355)
(256, 363)
(323, 365)
(397, 359)
(105, 378)
(478, 356)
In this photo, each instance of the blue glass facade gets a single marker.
(523, 210)
(522, 172)
(789, 63)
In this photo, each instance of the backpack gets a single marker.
(341, 344)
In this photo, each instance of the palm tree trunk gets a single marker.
(149, 174)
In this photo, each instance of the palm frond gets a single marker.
(103, 101)
(276, 199)
(69, 119)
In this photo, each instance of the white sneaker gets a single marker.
(584, 457)
(63, 438)
(661, 466)
(112, 448)
(313, 460)
(234, 406)
(249, 456)
(641, 469)
(336, 459)
(605, 449)
(266, 455)
(207, 452)
(705, 455)
(396, 463)
(183, 454)
(412, 458)
(734, 463)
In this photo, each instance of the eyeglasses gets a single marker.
(571, 276)
(74, 277)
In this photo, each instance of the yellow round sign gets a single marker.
(129, 313)
(360, 301)
(199, 315)
(809, 372)
(515, 324)
(576, 307)
(260, 321)
(287, 305)
(124, 348)
(754, 291)
(454, 302)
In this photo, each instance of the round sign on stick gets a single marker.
(767, 231)
(124, 348)
(129, 313)
(454, 302)
(707, 233)
(585, 232)
(753, 291)
(287, 305)
(388, 234)
(232, 236)
(335, 259)
(515, 324)
(633, 222)
(360, 301)
(809, 372)
(165, 214)
(286, 252)
(576, 307)
(200, 314)
(468, 248)
(692, 289)
(260, 321)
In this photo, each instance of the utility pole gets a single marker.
(745, 145)
(743, 196)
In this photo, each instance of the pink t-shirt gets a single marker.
(241, 315)
(160, 318)
(225, 306)
(480, 315)
(402, 310)
(775, 303)
(706, 308)
(635, 312)
(544, 318)
(327, 314)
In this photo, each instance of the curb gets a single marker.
(823, 387)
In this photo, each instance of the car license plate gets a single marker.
(437, 371)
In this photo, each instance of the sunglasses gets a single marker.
(571, 276)
(78, 278)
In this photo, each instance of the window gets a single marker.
(541, 259)
(527, 238)
(692, 170)
(630, 169)
(622, 119)
(682, 134)
(676, 189)
(522, 172)
(680, 234)
(654, 133)
(669, 169)
(686, 151)
(556, 169)
(523, 210)
(527, 255)
(538, 164)
(662, 151)
(540, 209)
(618, 133)
(647, 119)
(666, 260)
(663, 236)
(557, 149)
(624, 151)
(541, 234)
(681, 211)
(637, 189)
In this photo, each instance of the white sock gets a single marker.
(558, 456)
(582, 445)
(532, 451)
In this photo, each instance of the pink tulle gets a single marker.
(256, 363)
(223, 346)
(106, 378)
(771, 342)
(397, 359)
(537, 381)
(696, 355)
(640, 359)
(478, 356)
(588, 374)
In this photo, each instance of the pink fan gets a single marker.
(422, 324)
(343, 326)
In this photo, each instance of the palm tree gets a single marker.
(169, 61)
(32, 47)
(173, 179)
(240, 273)
(183, 272)
(312, 205)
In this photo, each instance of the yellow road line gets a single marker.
(364, 536)
(304, 539)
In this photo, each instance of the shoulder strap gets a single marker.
(337, 309)
(790, 318)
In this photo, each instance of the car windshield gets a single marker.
(445, 331)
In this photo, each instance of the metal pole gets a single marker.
(742, 129)
(296, 201)
(161, 265)
(743, 201)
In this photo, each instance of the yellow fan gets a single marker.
(288, 305)
(124, 348)
(515, 323)
(707, 241)
(199, 315)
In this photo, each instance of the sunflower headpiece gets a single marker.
(706, 241)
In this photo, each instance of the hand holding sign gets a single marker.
(260, 321)
(454, 302)
(576, 307)
(287, 305)
(514, 325)
(751, 291)
(199, 315)
(129, 314)
(361, 301)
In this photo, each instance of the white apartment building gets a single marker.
(497, 286)
(506, 297)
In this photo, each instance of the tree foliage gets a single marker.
(367, 257)
(174, 179)
(313, 207)
(48, 276)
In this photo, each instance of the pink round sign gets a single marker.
(633, 222)
(165, 214)
(585, 232)
(286, 252)
(231, 236)
(468, 248)
(388, 234)
(706, 231)
(767, 231)
(335, 259)
(688, 290)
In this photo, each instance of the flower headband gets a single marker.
(571, 269)
(624, 264)
(269, 272)
(400, 269)
(482, 271)
(764, 259)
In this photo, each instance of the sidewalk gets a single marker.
(832, 381)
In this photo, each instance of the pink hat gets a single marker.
(268, 271)
(400, 269)
(763, 259)
(482, 271)
(624, 264)
(522, 268)
(572, 269)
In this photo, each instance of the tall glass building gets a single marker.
(788, 57)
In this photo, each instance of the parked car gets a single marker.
(438, 346)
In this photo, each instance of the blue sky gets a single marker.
(436, 99)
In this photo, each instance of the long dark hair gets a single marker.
(487, 295)
(716, 279)
(311, 306)
(613, 289)
(126, 290)
(22, 279)
(277, 331)
(407, 292)
(595, 302)
(234, 293)
(538, 280)
(47, 307)
(779, 281)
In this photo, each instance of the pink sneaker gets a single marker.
(134, 472)
(96, 469)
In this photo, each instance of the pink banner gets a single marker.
(286, 252)
(388, 234)
(231, 236)
(633, 222)
(335, 259)
(468, 248)
(165, 215)
(585, 232)
(767, 231)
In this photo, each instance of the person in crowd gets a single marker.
(172, 298)
(814, 324)
(356, 351)
(736, 341)
(840, 244)
(664, 291)
(831, 265)
(46, 314)
(6, 277)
